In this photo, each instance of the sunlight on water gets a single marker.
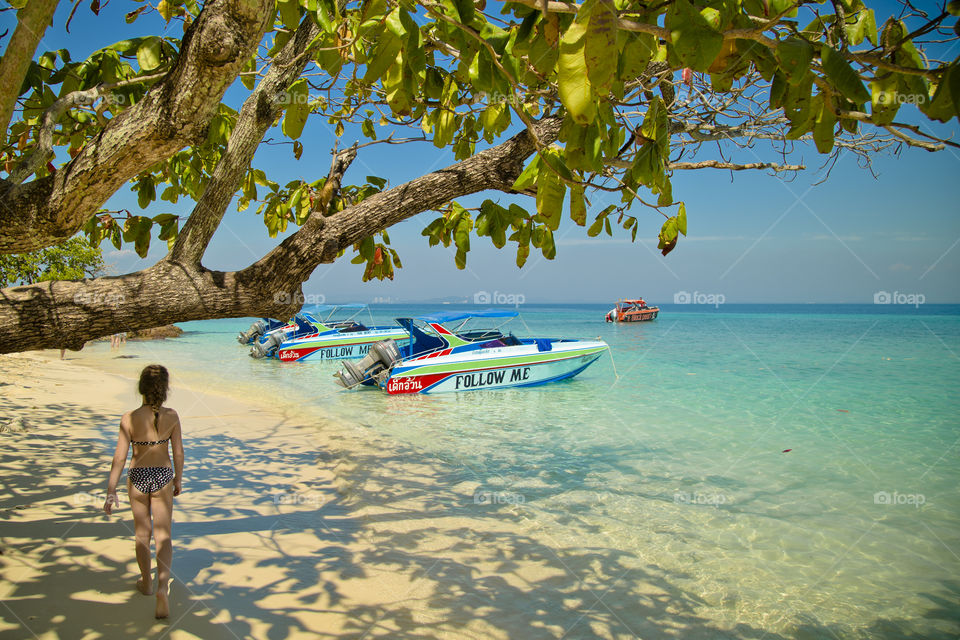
(674, 453)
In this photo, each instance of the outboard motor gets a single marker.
(255, 331)
(268, 347)
(381, 357)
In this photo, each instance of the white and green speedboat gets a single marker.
(329, 331)
(436, 359)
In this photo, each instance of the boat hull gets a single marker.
(498, 368)
(639, 316)
(339, 346)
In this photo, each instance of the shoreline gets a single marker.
(309, 520)
(281, 529)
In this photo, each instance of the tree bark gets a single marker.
(257, 115)
(322, 238)
(65, 314)
(32, 21)
(173, 114)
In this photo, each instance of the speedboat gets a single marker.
(436, 358)
(632, 310)
(324, 334)
(258, 329)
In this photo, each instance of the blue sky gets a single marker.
(759, 238)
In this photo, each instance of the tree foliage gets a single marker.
(71, 260)
(602, 96)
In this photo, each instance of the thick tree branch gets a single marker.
(65, 314)
(32, 21)
(256, 116)
(173, 114)
(43, 151)
(322, 238)
(733, 166)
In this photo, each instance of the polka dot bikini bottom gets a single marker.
(150, 479)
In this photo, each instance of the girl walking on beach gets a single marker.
(152, 481)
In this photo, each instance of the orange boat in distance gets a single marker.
(632, 310)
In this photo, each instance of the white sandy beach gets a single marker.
(280, 532)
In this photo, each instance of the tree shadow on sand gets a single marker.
(397, 547)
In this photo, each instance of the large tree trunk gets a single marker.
(66, 314)
(174, 113)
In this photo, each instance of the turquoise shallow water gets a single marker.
(672, 453)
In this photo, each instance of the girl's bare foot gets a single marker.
(163, 606)
(145, 586)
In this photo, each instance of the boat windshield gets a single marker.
(426, 336)
(338, 316)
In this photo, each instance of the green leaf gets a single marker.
(550, 193)
(597, 226)
(465, 9)
(526, 27)
(148, 53)
(638, 50)
(367, 247)
(578, 205)
(297, 110)
(146, 191)
(289, 13)
(668, 236)
(384, 55)
(794, 55)
(599, 45)
(137, 229)
(842, 76)
(824, 124)
(368, 130)
(884, 102)
(682, 219)
(529, 175)
(693, 42)
(864, 27)
(165, 8)
(394, 83)
(945, 103)
(523, 245)
(573, 83)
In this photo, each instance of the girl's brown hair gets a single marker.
(154, 384)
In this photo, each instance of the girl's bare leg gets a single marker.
(162, 507)
(140, 505)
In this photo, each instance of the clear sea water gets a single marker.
(789, 471)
